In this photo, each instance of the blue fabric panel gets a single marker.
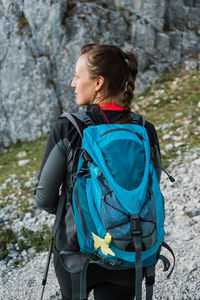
(91, 142)
(93, 195)
(125, 160)
(85, 244)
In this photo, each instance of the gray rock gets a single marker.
(190, 44)
(163, 45)
(40, 42)
(10, 247)
(23, 162)
(13, 254)
(168, 147)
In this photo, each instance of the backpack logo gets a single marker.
(103, 243)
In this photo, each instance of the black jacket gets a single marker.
(60, 160)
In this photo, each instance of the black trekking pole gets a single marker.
(47, 268)
(53, 236)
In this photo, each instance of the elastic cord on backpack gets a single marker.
(171, 178)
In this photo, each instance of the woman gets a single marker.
(104, 81)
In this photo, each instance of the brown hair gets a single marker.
(119, 70)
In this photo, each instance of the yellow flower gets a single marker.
(103, 243)
(108, 238)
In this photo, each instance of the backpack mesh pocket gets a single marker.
(117, 220)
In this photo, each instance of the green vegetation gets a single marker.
(14, 178)
(9, 161)
(39, 240)
(172, 104)
(7, 236)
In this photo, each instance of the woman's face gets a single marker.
(85, 87)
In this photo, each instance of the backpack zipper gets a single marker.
(121, 129)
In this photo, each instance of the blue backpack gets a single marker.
(117, 202)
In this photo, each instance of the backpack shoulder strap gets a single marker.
(143, 120)
(85, 118)
(82, 116)
(73, 121)
(138, 119)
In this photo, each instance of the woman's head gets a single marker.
(107, 73)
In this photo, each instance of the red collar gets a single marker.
(110, 106)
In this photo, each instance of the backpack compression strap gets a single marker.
(137, 244)
(136, 231)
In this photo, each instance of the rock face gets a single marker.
(40, 42)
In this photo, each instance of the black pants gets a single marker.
(107, 284)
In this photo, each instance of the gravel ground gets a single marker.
(182, 202)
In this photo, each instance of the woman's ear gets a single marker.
(99, 83)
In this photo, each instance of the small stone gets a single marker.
(196, 218)
(179, 114)
(3, 267)
(166, 137)
(168, 147)
(183, 170)
(31, 251)
(27, 216)
(24, 253)
(197, 162)
(13, 254)
(21, 154)
(187, 237)
(16, 247)
(175, 138)
(173, 101)
(28, 184)
(180, 144)
(10, 263)
(10, 247)
(157, 101)
(191, 267)
(163, 152)
(190, 211)
(23, 162)
(197, 228)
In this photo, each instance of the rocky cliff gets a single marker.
(40, 42)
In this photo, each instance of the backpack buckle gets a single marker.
(135, 225)
(86, 156)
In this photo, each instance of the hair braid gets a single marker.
(130, 84)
